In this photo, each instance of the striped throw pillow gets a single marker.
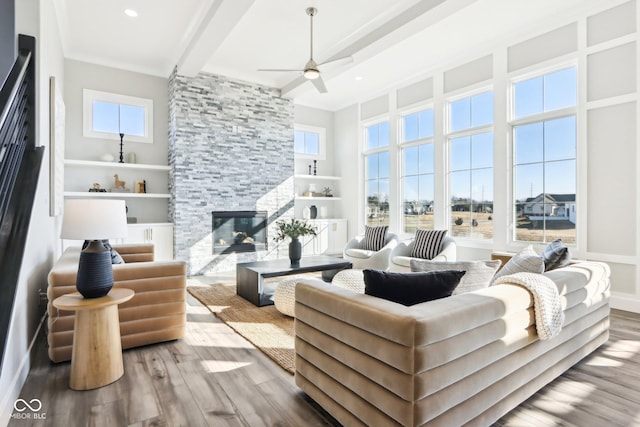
(374, 237)
(427, 243)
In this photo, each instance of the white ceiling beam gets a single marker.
(219, 21)
(405, 24)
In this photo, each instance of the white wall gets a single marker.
(602, 39)
(348, 165)
(35, 18)
(82, 75)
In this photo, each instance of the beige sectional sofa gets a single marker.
(156, 313)
(463, 360)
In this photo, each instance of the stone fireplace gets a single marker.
(230, 149)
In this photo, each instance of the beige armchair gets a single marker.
(361, 258)
(156, 313)
(400, 258)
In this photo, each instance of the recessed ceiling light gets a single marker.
(359, 78)
(130, 12)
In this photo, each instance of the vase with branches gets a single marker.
(294, 229)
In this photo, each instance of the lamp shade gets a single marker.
(94, 219)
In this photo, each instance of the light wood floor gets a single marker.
(214, 377)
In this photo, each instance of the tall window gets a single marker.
(107, 115)
(470, 140)
(544, 157)
(377, 173)
(417, 170)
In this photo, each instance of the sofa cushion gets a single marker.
(555, 255)
(427, 243)
(411, 288)
(360, 253)
(525, 261)
(374, 237)
(405, 261)
(478, 274)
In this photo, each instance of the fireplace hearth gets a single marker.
(239, 231)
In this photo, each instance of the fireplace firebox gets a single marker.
(239, 231)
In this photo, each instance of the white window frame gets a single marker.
(89, 95)
(402, 145)
(322, 142)
(450, 135)
(513, 122)
(369, 151)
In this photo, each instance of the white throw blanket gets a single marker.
(546, 301)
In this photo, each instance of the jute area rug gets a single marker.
(265, 327)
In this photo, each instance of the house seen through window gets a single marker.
(544, 157)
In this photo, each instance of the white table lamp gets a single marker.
(94, 220)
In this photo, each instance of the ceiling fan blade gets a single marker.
(319, 84)
(343, 60)
(279, 69)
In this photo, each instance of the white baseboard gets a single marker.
(625, 302)
(20, 376)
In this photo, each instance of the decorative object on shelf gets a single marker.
(119, 183)
(315, 167)
(96, 188)
(131, 157)
(327, 192)
(94, 220)
(314, 211)
(294, 229)
(323, 212)
(309, 169)
(121, 142)
(106, 157)
(306, 212)
(141, 186)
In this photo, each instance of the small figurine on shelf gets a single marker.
(119, 183)
(327, 192)
(315, 167)
(309, 169)
(96, 188)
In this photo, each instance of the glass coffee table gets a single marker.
(250, 275)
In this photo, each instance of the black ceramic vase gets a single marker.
(295, 251)
(314, 211)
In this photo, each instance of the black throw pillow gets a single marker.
(115, 256)
(556, 255)
(411, 288)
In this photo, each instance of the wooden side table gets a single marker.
(96, 358)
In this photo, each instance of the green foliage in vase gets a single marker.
(293, 229)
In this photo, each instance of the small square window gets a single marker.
(309, 142)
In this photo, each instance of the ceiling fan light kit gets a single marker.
(310, 70)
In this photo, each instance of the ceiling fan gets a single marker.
(311, 69)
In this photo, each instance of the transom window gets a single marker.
(309, 142)
(107, 115)
(470, 144)
(544, 157)
(417, 170)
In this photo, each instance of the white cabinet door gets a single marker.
(332, 236)
(161, 235)
(337, 234)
